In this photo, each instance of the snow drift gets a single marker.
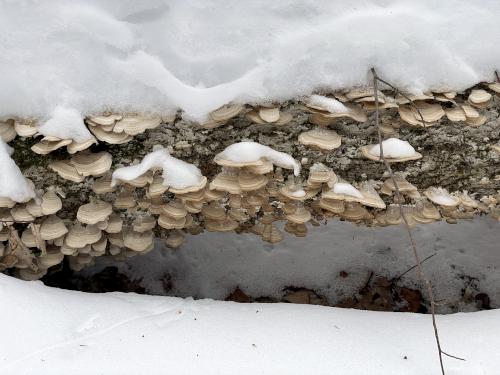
(201, 54)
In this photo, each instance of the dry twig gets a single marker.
(420, 272)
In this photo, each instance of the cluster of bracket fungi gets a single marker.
(255, 188)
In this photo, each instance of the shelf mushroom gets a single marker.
(395, 150)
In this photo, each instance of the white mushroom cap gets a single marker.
(102, 185)
(249, 181)
(225, 181)
(75, 147)
(109, 136)
(134, 125)
(169, 222)
(45, 147)
(479, 96)
(25, 128)
(92, 164)
(20, 214)
(66, 170)
(94, 212)
(226, 112)
(6, 202)
(51, 203)
(323, 139)
(103, 119)
(52, 227)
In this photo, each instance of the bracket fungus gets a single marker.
(323, 139)
(395, 150)
(243, 154)
(179, 176)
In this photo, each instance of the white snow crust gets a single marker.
(13, 185)
(197, 55)
(393, 148)
(176, 173)
(66, 123)
(246, 152)
(330, 104)
(59, 332)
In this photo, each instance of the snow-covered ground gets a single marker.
(212, 265)
(52, 331)
(197, 55)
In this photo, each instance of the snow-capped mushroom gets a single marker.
(66, 170)
(51, 203)
(321, 138)
(94, 212)
(92, 164)
(441, 197)
(52, 227)
(395, 150)
(243, 154)
(344, 191)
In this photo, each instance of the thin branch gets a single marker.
(401, 211)
(413, 267)
(498, 77)
(453, 356)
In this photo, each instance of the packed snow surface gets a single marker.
(176, 173)
(393, 148)
(159, 55)
(59, 332)
(66, 123)
(247, 152)
(13, 185)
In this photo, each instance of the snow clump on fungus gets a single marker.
(177, 174)
(395, 150)
(248, 153)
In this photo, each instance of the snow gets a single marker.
(176, 173)
(13, 185)
(66, 123)
(247, 152)
(212, 265)
(330, 104)
(95, 55)
(53, 331)
(393, 148)
(347, 189)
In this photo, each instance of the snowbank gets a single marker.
(93, 55)
(13, 185)
(52, 331)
